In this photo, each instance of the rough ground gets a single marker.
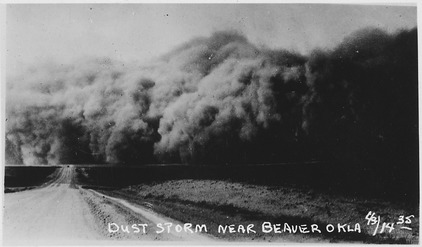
(61, 212)
(223, 202)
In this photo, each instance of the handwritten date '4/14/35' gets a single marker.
(403, 222)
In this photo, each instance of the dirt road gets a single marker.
(63, 213)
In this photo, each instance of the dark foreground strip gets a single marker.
(169, 206)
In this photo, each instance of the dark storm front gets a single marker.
(221, 100)
(227, 136)
(231, 102)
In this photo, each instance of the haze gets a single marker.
(65, 32)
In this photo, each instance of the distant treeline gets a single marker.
(328, 178)
(19, 176)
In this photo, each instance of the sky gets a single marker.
(63, 33)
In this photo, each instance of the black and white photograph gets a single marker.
(161, 123)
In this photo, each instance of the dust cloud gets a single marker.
(221, 100)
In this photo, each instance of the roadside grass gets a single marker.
(215, 202)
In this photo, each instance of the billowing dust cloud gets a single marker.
(216, 100)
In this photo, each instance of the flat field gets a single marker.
(18, 178)
(296, 197)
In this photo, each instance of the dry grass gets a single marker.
(275, 203)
